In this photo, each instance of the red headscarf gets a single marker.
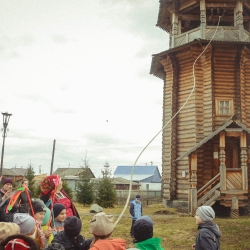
(49, 183)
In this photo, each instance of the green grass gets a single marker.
(178, 231)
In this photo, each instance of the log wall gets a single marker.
(245, 101)
(167, 143)
(223, 71)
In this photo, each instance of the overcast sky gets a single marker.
(77, 71)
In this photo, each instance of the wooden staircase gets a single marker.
(209, 193)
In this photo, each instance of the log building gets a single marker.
(206, 147)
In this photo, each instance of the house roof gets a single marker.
(157, 69)
(9, 172)
(70, 171)
(217, 131)
(140, 172)
(19, 171)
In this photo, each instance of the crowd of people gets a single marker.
(52, 222)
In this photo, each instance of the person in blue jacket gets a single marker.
(135, 211)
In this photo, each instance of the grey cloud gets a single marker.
(59, 38)
(9, 46)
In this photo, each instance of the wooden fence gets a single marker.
(147, 197)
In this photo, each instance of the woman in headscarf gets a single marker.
(52, 193)
(6, 212)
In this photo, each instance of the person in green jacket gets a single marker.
(143, 233)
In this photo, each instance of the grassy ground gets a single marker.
(177, 231)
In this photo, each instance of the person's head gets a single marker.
(49, 183)
(59, 186)
(143, 228)
(7, 184)
(59, 211)
(26, 223)
(25, 183)
(102, 225)
(72, 226)
(39, 210)
(137, 198)
(7, 229)
(204, 214)
(19, 242)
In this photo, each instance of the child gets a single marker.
(26, 223)
(102, 228)
(45, 225)
(209, 233)
(7, 229)
(59, 212)
(143, 233)
(70, 238)
(39, 212)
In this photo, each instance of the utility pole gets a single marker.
(6, 118)
(52, 161)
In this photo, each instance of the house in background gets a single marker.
(63, 172)
(71, 175)
(119, 183)
(148, 176)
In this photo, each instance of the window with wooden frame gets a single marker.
(224, 107)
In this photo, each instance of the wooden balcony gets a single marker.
(223, 33)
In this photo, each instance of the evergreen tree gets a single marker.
(84, 191)
(67, 188)
(30, 174)
(106, 194)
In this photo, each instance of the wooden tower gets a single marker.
(206, 148)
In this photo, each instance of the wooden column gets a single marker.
(223, 173)
(239, 19)
(243, 158)
(234, 212)
(175, 23)
(203, 18)
(193, 184)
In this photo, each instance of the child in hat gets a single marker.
(143, 233)
(39, 212)
(45, 226)
(26, 223)
(70, 238)
(59, 212)
(7, 229)
(209, 233)
(102, 228)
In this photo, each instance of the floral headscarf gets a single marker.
(49, 183)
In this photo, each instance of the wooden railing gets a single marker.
(223, 33)
(213, 181)
(208, 194)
